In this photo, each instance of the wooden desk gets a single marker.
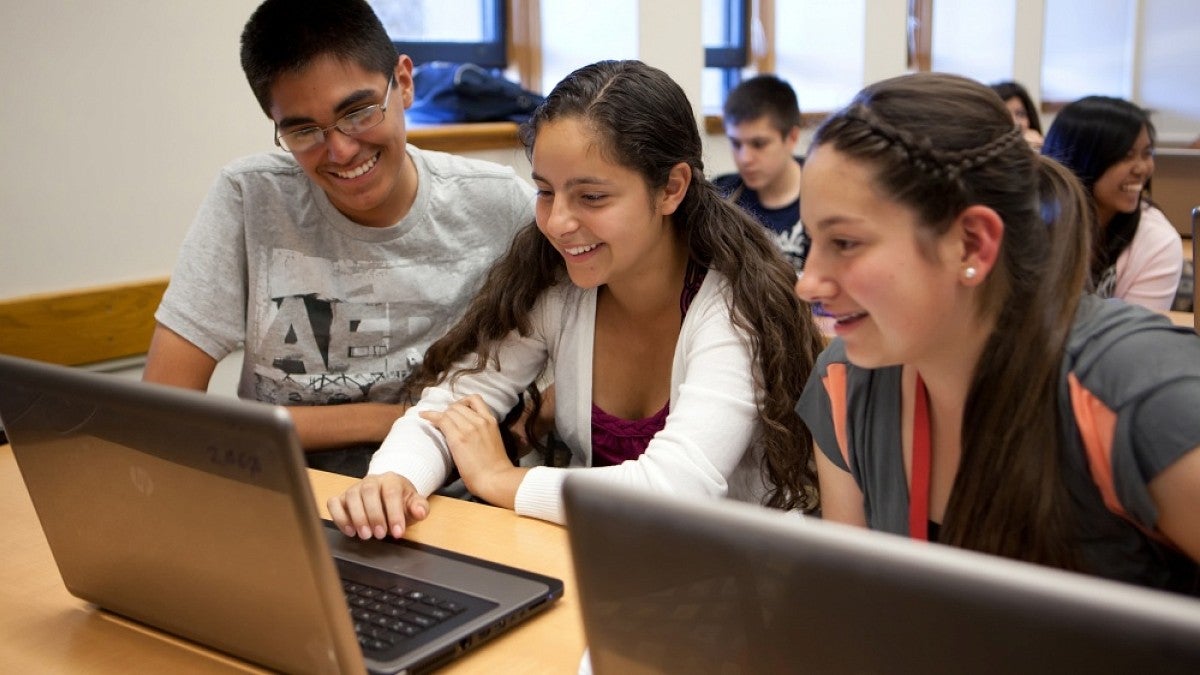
(1185, 319)
(44, 629)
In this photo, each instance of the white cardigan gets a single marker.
(702, 449)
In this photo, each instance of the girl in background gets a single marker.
(1137, 254)
(677, 346)
(975, 395)
(1024, 112)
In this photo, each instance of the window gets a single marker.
(1087, 48)
(1168, 79)
(577, 33)
(464, 31)
(974, 39)
(726, 27)
(819, 50)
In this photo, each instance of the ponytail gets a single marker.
(938, 144)
(1012, 426)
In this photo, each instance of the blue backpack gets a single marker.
(464, 92)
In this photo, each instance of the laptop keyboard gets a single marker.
(393, 614)
(389, 617)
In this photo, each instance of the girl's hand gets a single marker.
(473, 436)
(378, 505)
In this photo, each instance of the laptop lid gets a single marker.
(667, 585)
(194, 514)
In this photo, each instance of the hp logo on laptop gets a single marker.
(141, 480)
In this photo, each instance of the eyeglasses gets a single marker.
(351, 124)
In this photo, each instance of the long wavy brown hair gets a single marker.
(643, 121)
(938, 144)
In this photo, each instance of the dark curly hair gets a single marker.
(643, 121)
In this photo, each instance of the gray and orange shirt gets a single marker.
(1130, 401)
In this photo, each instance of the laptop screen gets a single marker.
(718, 586)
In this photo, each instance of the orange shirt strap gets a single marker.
(1097, 426)
(835, 387)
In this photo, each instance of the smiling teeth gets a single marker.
(355, 173)
(842, 318)
(1132, 187)
(580, 250)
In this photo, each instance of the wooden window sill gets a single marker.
(465, 137)
(714, 125)
(468, 137)
(474, 136)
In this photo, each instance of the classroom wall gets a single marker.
(117, 116)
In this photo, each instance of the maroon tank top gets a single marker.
(614, 439)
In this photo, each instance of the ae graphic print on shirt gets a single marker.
(328, 333)
(330, 311)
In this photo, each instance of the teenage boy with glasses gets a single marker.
(338, 262)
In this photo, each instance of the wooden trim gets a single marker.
(812, 120)
(465, 137)
(714, 125)
(525, 42)
(920, 35)
(1175, 186)
(762, 41)
(1052, 107)
(83, 326)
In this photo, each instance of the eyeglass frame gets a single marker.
(382, 107)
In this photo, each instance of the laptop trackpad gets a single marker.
(486, 580)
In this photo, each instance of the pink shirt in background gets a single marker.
(1148, 270)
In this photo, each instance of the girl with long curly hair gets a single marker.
(665, 315)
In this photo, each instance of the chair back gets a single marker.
(82, 327)
(1195, 258)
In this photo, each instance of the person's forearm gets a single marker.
(498, 488)
(331, 426)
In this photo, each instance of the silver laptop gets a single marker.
(668, 586)
(194, 514)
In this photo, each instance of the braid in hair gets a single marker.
(943, 164)
(1008, 496)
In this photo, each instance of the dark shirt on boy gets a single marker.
(783, 222)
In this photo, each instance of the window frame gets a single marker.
(734, 55)
(491, 54)
(920, 35)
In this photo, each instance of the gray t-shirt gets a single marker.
(330, 311)
(1133, 363)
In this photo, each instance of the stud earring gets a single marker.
(970, 272)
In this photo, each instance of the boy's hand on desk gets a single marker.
(378, 505)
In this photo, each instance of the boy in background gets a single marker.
(762, 122)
